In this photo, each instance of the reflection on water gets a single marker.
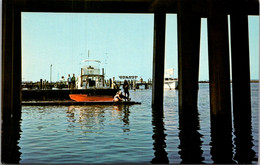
(11, 131)
(221, 141)
(125, 119)
(92, 118)
(243, 139)
(244, 146)
(159, 137)
(190, 138)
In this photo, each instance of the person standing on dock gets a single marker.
(126, 89)
(69, 81)
(45, 84)
(73, 81)
(115, 85)
(62, 80)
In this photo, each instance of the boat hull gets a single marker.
(170, 85)
(86, 98)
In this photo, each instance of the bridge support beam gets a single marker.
(189, 25)
(240, 67)
(158, 58)
(17, 63)
(241, 85)
(11, 81)
(219, 76)
(188, 56)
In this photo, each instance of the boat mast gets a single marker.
(88, 57)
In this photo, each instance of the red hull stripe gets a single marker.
(85, 98)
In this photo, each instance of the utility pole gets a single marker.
(105, 64)
(51, 73)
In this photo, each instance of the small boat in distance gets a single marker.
(86, 98)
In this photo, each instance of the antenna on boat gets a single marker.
(88, 57)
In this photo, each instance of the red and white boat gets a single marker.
(86, 98)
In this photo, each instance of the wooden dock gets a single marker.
(70, 102)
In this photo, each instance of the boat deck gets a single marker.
(69, 102)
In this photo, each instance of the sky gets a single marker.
(122, 42)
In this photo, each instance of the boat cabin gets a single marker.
(90, 76)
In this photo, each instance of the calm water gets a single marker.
(121, 134)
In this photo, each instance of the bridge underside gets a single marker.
(130, 6)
